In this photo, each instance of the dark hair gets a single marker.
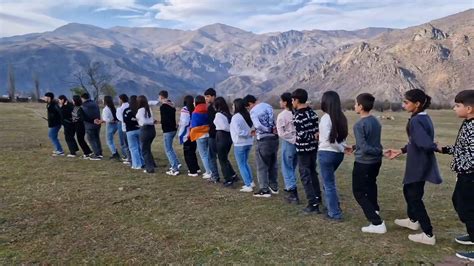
(86, 96)
(465, 97)
(199, 99)
(189, 103)
(123, 98)
(210, 92)
(63, 97)
(109, 102)
(301, 95)
(239, 106)
(163, 94)
(286, 97)
(76, 99)
(221, 106)
(366, 100)
(414, 96)
(249, 99)
(49, 94)
(133, 104)
(143, 103)
(331, 104)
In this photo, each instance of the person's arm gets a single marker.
(420, 138)
(449, 149)
(242, 128)
(360, 132)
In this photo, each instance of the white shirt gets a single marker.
(143, 119)
(107, 115)
(221, 122)
(325, 126)
(119, 115)
(240, 131)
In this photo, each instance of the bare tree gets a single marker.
(37, 85)
(11, 83)
(94, 78)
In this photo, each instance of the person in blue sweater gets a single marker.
(421, 165)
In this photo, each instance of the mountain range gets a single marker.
(436, 57)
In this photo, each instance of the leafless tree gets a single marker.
(11, 83)
(94, 78)
(37, 85)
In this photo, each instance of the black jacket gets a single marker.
(54, 114)
(168, 117)
(66, 114)
(130, 120)
(211, 114)
(90, 112)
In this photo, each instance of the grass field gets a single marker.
(63, 210)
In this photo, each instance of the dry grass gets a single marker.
(62, 210)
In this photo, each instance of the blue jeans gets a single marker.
(124, 143)
(133, 138)
(168, 141)
(203, 149)
(53, 136)
(111, 130)
(213, 158)
(328, 163)
(288, 165)
(242, 156)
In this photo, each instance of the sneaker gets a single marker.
(206, 176)
(246, 189)
(312, 208)
(71, 156)
(86, 156)
(148, 172)
(375, 229)
(172, 172)
(100, 156)
(213, 181)
(136, 168)
(95, 158)
(253, 184)
(407, 223)
(262, 194)
(273, 190)
(115, 156)
(464, 240)
(193, 175)
(179, 166)
(126, 162)
(58, 153)
(199, 171)
(229, 183)
(377, 212)
(423, 239)
(466, 255)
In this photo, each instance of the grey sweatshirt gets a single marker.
(368, 149)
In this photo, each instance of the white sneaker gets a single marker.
(71, 156)
(206, 176)
(375, 229)
(377, 212)
(193, 175)
(172, 172)
(407, 223)
(58, 153)
(252, 184)
(423, 239)
(179, 166)
(136, 168)
(126, 162)
(246, 189)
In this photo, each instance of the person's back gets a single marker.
(54, 115)
(168, 117)
(91, 111)
(368, 148)
(263, 120)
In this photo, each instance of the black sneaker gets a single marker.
(273, 190)
(262, 193)
(292, 196)
(213, 181)
(464, 240)
(95, 158)
(115, 156)
(228, 183)
(312, 208)
(466, 255)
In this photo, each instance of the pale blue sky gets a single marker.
(27, 16)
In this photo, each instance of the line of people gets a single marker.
(207, 125)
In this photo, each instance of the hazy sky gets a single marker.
(26, 16)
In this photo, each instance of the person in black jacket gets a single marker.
(169, 126)
(54, 123)
(90, 115)
(79, 126)
(66, 109)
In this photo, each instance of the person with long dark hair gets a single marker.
(123, 100)
(79, 128)
(66, 109)
(241, 133)
(54, 123)
(287, 133)
(133, 132)
(147, 132)
(109, 117)
(224, 140)
(333, 132)
(421, 165)
(189, 147)
(210, 96)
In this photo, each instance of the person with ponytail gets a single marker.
(333, 132)
(133, 132)
(109, 117)
(65, 109)
(421, 165)
(189, 147)
(147, 133)
(79, 128)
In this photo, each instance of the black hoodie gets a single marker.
(54, 114)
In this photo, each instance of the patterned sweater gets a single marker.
(306, 124)
(463, 149)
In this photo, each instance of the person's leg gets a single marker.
(110, 132)
(69, 133)
(240, 153)
(288, 153)
(147, 135)
(91, 138)
(414, 196)
(133, 141)
(304, 167)
(170, 153)
(96, 139)
(465, 202)
(123, 141)
(80, 134)
(53, 136)
(223, 147)
(187, 156)
(262, 165)
(213, 158)
(272, 146)
(314, 175)
(327, 163)
(360, 188)
(203, 148)
(372, 192)
(192, 156)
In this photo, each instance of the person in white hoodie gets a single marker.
(333, 132)
(189, 147)
(241, 134)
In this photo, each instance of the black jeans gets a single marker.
(189, 150)
(80, 134)
(463, 201)
(224, 143)
(93, 136)
(416, 210)
(69, 132)
(364, 188)
(309, 176)
(147, 135)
